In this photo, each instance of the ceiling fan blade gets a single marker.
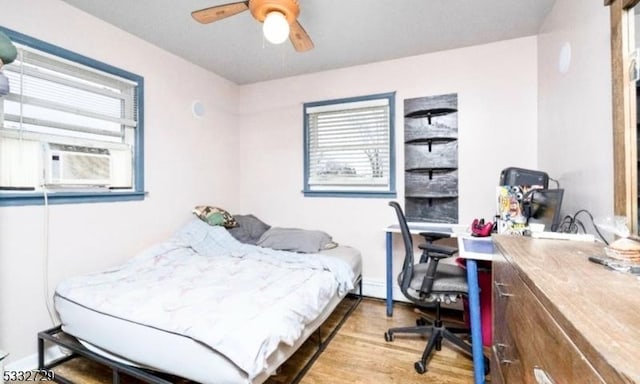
(211, 14)
(299, 38)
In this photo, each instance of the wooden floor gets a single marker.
(357, 354)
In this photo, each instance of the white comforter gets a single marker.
(238, 299)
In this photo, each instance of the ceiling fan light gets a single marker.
(275, 27)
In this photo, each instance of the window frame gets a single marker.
(391, 192)
(71, 197)
(625, 157)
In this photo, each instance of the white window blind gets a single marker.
(348, 146)
(50, 95)
(53, 100)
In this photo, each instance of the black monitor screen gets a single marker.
(545, 208)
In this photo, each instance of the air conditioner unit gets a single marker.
(75, 165)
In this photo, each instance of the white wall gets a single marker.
(188, 161)
(636, 28)
(575, 124)
(496, 86)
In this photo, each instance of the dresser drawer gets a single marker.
(529, 345)
(505, 364)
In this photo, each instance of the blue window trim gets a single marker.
(37, 198)
(17, 199)
(391, 193)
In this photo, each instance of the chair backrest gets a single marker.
(407, 266)
(435, 253)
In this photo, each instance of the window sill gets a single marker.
(351, 194)
(18, 199)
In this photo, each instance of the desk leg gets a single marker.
(389, 275)
(476, 325)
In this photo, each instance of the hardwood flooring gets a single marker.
(357, 354)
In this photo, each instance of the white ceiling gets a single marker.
(345, 32)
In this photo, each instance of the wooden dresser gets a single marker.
(559, 318)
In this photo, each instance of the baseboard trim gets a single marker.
(378, 289)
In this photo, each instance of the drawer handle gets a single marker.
(541, 376)
(499, 290)
(500, 349)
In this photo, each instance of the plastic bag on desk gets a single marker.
(614, 225)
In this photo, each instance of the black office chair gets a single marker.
(427, 285)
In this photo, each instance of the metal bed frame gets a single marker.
(58, 337)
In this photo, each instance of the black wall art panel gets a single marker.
(431, 158)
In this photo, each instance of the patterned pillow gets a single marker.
(215, 216)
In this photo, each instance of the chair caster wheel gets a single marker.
(421, 322)
(388, 336)
(420, 368)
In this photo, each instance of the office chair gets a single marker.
(427, 285)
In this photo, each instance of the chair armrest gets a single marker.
(438, 251)
(434, 236)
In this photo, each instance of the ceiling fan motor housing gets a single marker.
(261, 8)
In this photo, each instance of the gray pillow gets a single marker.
(296, 240)
(249, 229)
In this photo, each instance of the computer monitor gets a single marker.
(544, 208)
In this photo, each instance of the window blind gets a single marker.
(348, 144)
(51, 96)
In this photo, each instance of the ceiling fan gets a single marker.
(279, 18)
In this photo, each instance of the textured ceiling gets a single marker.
(345, 32)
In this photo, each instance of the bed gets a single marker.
(206, 307)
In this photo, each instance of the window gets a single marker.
(625, 128)
(70, 127)
(349, 147)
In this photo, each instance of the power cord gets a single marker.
(555, 181)
(45, 262)
(571, 224)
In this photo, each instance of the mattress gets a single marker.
(149, 347)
